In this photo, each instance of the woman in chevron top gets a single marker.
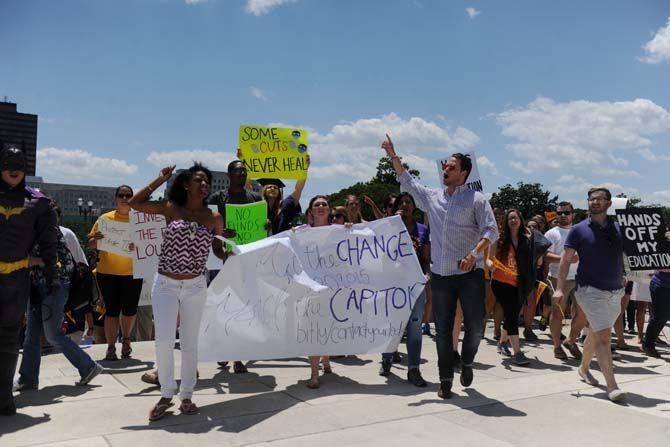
(180, 287)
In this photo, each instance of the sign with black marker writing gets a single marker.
(474, 180)
(274, 152)
(644, 241)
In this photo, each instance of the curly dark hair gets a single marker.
(177, 193)
(502, 247)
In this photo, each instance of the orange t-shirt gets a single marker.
(503, 275)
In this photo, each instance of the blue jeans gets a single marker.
(48, 316)
(447, 290)
(414, 334)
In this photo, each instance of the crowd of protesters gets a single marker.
(480, 264)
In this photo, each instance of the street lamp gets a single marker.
(83, 210)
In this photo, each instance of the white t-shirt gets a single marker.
(72, 244)
(557, 236)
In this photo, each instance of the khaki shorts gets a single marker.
(569, 293)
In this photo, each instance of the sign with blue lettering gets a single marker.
(314, 291)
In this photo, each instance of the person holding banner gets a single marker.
(320, 212)
(120, 291)
(599, 244)
(420, 235)
(463, 226)
(512, 260)
(353, 206)
(180, 287)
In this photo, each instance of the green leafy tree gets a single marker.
(529, 198)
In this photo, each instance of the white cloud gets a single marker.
(354, 148)
(486, 166)
(258, 94)
(194, 2)
(581, 134)
(648, 155)
(574, 188)
(472, 12)
(79, 166)
(216, 161)
(660, 197)
(658, 48)
(260, 7)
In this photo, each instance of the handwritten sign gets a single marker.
(316, 291)
(248, 221)
(274, 152)
(146, 232)
(474, 180)
(116, 237)
(644, 242)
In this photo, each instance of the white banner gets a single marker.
(316, 291)
(116, 237)
(146, 232)
(474, 180)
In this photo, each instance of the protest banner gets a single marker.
(146, 232)
(274, 152)
(116, 237)
(474, 180)
(248, 221)
(317, 291)
(644, 242)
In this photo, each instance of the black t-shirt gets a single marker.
(290, 208)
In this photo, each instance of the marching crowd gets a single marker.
(481, 263)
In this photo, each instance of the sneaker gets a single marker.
(414, 377)
(651, 351)
(529, 335)
(385, 369)
(573, 349)
(520, 359)
(616, 395)
(97, 369)
(445, 390)
(560, 354)
(457, 360)
(151, 378)
(24, 386)
(396, 357)
(466, 375)
(503, 349)
(587, 377)
(544, 322)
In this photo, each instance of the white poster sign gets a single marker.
(474, 180)
(146, 232)
(116, 237)
(316, 291)
(618, 203)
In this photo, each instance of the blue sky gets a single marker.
(569, 94)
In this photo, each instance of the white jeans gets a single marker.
(169, 298)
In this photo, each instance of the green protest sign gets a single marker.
(248, 221)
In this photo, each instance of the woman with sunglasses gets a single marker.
(338, 216)
(404, 206)
(513, 261)
(120, 291)
(281, 212)
(180, 287)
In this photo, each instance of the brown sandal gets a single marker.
(111, 353)
(159, 410)
(126, 349)
(188, 407)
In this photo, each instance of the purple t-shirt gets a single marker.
(600, 252)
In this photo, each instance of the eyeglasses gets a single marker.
(598, 199)
(124, 196)
(563, 213)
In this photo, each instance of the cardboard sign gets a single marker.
(146, 232)
(643, 231)
(116, 237)
(274, 152)
(474, 180)
(248, 221)
(317, 291)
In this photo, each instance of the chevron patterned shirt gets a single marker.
(457, 223)
(185, 248)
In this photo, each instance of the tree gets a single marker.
(386, 173)
(529, 198)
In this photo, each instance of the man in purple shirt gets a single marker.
(462, 227)
(599, 245)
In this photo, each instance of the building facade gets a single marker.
(67, 197)
(220, 180)
(20, 130)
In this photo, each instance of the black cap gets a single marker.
(271, 181)
(13, 159)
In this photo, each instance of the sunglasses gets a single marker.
(124, 196)
(320, 205)
(563, 213)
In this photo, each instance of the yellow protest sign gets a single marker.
(274, 152)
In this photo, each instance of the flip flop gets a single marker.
(188, 408)
(159, 410)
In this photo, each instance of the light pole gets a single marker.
(83, 209)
